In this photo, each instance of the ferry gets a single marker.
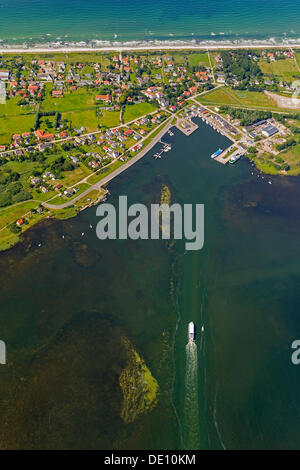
(191, 332)
(234, 159)
(218, 152)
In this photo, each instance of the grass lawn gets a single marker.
(283, 69)
(292, 157)
(88, 57)
(227, 96)
(24, 168)
(65, 213)
(198, 58)
(12, 108)
(7, 239)
(78, 100)
(71, 177)
(110, 118)
(8, 215)
(86, 118)
(134, 111)
(15, 125)
(40, 196)
(297, 55)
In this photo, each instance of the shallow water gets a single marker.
(66, 305)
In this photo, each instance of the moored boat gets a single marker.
(218, 152)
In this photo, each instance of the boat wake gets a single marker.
(191, 412)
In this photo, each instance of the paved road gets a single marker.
(115, 173)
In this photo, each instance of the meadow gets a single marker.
(198, 58)
(285, 69)
(244, 98)
(134, 111)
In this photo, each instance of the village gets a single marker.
(71, 120)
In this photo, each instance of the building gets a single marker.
(269, 131)
(106, 98)
(4, 74)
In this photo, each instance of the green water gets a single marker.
(66, 305)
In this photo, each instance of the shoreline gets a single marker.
(106, 179)
(149, 47)
(97, 186)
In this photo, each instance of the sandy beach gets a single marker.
(126, 48)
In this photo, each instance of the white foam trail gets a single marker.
(191, 409)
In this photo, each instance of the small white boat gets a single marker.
(202, 328)
(191, 332)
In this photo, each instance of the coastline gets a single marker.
(100, 185)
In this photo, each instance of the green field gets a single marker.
(292, 157)
(86, 118)
(71, 177)
(297, 56)
(78, 100)
(11, 214)
(12, 107)
(15, 119)
(134, 111)
(110, 118)
(244, 98)
(198, 58)
(15, 125)
(285, 69)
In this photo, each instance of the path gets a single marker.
(211, 67)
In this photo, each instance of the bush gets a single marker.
(5, 199)
(22, 196)
(14, 228)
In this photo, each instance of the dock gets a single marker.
(186, 126)
(229, 153)
(165, 148)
